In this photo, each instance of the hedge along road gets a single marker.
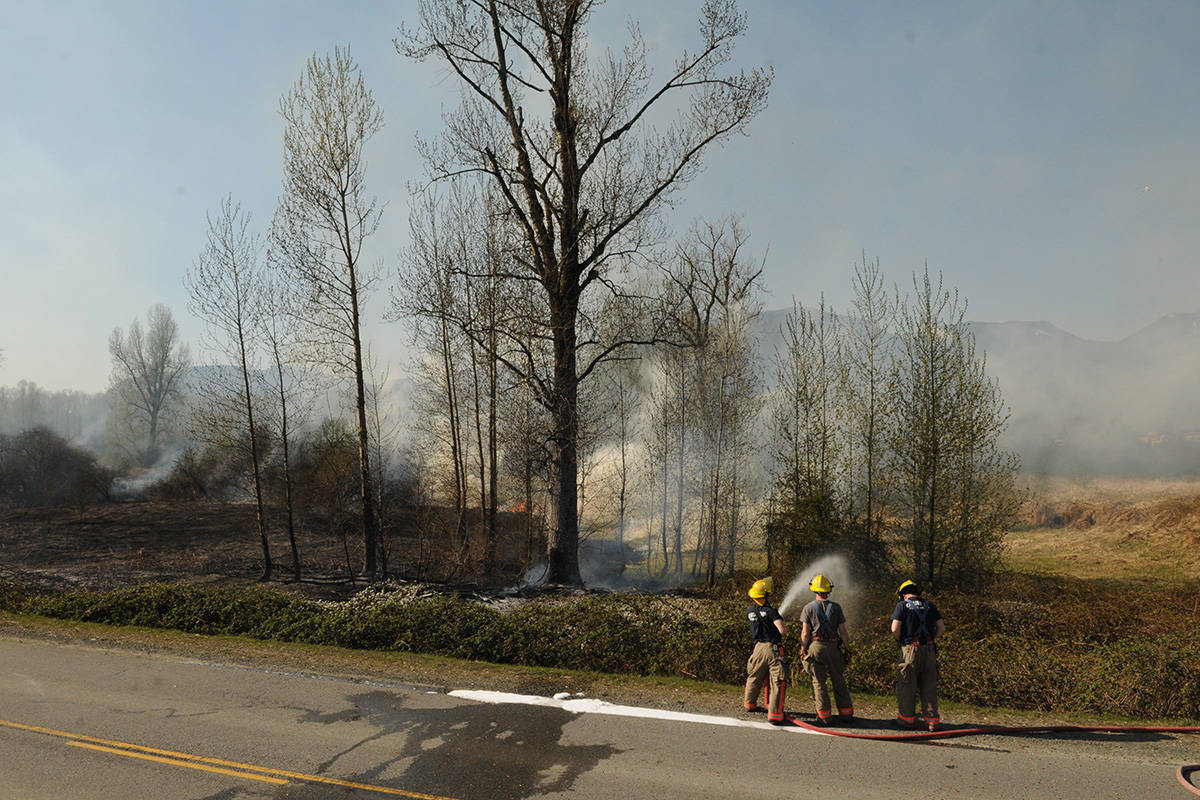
(79, 721)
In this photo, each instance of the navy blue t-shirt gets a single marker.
(762, 623)
(918, 620)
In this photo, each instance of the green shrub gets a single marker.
(1063, 647)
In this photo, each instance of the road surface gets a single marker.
(86, 722)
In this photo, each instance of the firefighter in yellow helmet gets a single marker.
(767, 663)
(825, 648)
(916, 625)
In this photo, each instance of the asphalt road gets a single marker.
(85, 722)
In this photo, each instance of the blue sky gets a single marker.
(1044, 156)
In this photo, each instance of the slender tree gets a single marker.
(324, 218)
(868, 342)
(807, 435)
(624, 385)
(431, 292)
(289, 375)
(715, 290)
(225, 289)
(954, 484)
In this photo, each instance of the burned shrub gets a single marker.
(40, 468)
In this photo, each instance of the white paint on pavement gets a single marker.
(590, 706)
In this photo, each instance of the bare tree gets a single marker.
(955, 489)
(431, 293)
(385, 453)
(867, 393)
(656, 445)
(585, 183)
(678, 372)
(525, 460)
(808, 439)
(323, 220)
(289, 374)
(148, 368)
(224, 288)
(625, 391)
(715, 290)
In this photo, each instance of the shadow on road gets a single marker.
(463, 751)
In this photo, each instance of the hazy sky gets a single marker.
(1044, 156)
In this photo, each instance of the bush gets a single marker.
(1061, 647)
(40, 468)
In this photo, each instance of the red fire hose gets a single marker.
(1183, 774)
(997, 730)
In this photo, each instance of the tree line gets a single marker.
(556, 184)
(886, 432)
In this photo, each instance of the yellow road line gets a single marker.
(176, 763)
(190, 757)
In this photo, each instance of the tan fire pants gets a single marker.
(825, 662)
(766, 666)
(917, 674)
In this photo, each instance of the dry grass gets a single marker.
(1109, 529)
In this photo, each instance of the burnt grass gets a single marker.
(129, 543)
(1040, 643)
(107, 546)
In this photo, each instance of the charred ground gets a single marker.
(127, 543)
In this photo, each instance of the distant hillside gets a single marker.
(1129, 407)
(1082, 407)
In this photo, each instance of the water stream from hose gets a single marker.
(837, 569)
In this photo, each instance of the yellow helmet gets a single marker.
(761, 589)
(820, 583)
(909, 587)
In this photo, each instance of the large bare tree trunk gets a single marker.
(562, 550)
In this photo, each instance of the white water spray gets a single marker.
(835, 567)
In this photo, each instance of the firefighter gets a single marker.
(767, 663)
(916, 625)
(825, 647)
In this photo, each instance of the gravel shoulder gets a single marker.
(675, 694)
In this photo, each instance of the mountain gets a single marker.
(1129, 407)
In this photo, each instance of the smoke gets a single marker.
(1098, 408)
(534, 576)
(159, 471)
(602, 565)
(836, 567)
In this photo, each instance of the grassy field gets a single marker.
(1118, 529)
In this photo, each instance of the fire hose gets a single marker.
(998, 730)
(1183, 774)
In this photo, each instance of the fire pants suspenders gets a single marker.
(920, 634)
